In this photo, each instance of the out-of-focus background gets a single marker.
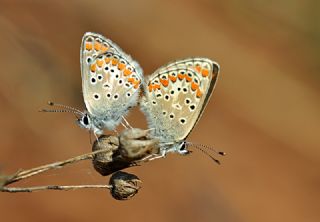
(265, 111)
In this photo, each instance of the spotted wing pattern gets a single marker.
(176, 95)
(110, 80)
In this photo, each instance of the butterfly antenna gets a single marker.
(188, 144)
(64, 107)
(221, 153)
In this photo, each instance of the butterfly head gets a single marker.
(86, 122)
(182, 149)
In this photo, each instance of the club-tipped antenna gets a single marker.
(221, 153)
(66, 109)
(188, 144)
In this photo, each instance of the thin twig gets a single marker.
(51, 187)
(22, 174)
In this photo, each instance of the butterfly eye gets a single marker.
(85, 120)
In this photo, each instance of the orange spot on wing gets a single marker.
(188, 78)
(127, 72)
(181, 76)
(150, 87)
(131, 80)
(205, 72)
(93, 67)
(194, 86)
(100, 63)
(121, 66)
(97, 46)
(164, 82)
(88, 46)
(199, 93)
(115, 61)
(156, 86)
(198, 68)
(107, 60)
(172, 78)
(136, 84)
(104, 48)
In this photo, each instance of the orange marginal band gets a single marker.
(172, 78)
(127, 72)
(88, 46)
(194, 86)
(199, 93)
(97, 46)
(205, 72)
(93, 68)
(181, 76)
(100, 63)
(164, 82)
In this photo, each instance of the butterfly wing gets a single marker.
(110, 80)
(176, 95)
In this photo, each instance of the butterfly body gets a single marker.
(174, 99)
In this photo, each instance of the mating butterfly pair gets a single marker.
(173, 100)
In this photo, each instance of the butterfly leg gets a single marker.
(153, 157)
(125, 123)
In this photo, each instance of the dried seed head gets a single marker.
(124, 185)
(110, 161)
(135, 144)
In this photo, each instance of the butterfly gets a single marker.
(174, 99)
(110, 84)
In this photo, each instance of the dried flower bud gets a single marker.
(124, 185)
(135, 144)
(110, 161)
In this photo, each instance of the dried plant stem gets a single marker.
(52, 187)
(23, 174)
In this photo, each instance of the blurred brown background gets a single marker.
(265, 112)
